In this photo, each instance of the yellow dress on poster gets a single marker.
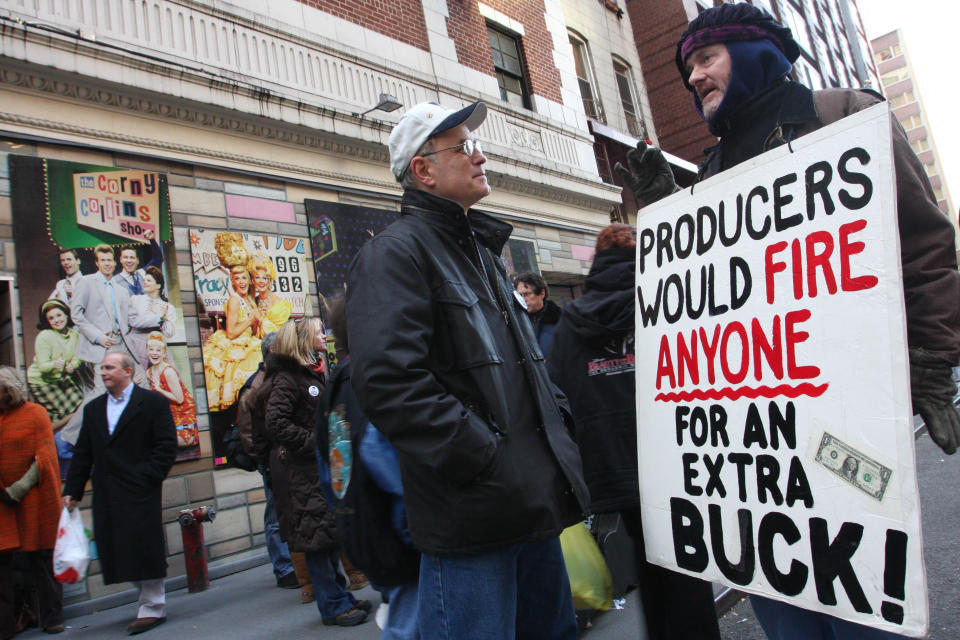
(229, 363)
(278, 313)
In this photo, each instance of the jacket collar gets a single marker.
(277, 362)
(790, 101)
(448, 215)
(136, 396)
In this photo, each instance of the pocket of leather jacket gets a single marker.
(463, 331)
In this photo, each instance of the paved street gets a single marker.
(247, 605)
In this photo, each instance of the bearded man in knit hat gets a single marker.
(736, 59)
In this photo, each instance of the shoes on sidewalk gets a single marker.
(306, 594)
(357, 580)
(54, 628)
(288, 581)
(350, 618)
(363, 605)
(144, 624)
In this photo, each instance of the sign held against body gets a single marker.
(774, 423)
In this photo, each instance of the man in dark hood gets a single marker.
(736, 60)
(592, 362)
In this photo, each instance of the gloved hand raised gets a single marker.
(932, 389)
(649, 176)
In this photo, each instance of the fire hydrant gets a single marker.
(191, 528)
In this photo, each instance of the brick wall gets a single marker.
(657, 24)
(399, 19)
(468, 29)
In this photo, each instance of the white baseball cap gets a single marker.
(424, 121)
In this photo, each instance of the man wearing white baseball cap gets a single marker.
(446, 365)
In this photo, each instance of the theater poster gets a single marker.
(77, 227)
(776, 444)
(247, 285)
(337, 231)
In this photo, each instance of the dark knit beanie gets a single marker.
(731, 23)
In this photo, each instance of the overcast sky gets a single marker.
(929, 36)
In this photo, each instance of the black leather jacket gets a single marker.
(446, 365)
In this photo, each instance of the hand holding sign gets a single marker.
(649, 176)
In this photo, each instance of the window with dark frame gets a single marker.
(508, 63)
(591, 104)
(625, 87)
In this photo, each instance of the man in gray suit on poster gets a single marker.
(100, 308)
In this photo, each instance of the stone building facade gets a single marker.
(272, 100)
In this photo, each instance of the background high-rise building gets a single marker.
(901, 90)
(835, 52)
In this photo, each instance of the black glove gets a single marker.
(6, 499)
(649, 176)
(932, 389)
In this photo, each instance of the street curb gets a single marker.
(175, 583)
(726, 600)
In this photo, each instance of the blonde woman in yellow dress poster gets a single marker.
(274, 310)
(247, 285)
(232, 354)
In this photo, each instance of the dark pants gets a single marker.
(782, 621)
(675, 605)
(49, 591)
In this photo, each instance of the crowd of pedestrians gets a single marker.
(468, 420)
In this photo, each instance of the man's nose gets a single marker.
(696, 75)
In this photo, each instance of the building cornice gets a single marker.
(563, 188)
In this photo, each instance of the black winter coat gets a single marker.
(446, 365)
(289, 396)
(128, 472)
(593, 364)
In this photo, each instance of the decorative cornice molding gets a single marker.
(570, 192)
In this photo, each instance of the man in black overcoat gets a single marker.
(129, 440)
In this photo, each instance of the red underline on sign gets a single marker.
(790, 391)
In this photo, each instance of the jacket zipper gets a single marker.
(487, 283)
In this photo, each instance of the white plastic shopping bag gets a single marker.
(71, 555)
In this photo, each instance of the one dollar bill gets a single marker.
(860, 470)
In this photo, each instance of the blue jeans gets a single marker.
(402, 619)
(782, 621)
(519, 592)
(328, 583)
(276, 547)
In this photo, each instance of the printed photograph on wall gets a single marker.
(96, 269)
(337, 231)
(247, 286)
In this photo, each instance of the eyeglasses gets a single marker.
(468, 146)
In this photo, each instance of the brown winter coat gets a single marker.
(289, 397)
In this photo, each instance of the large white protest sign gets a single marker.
(774, 423)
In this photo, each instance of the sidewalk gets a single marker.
(249, 606)
(242, 606)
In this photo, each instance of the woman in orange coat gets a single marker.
(29, 502)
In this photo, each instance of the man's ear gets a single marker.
(422, 170)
